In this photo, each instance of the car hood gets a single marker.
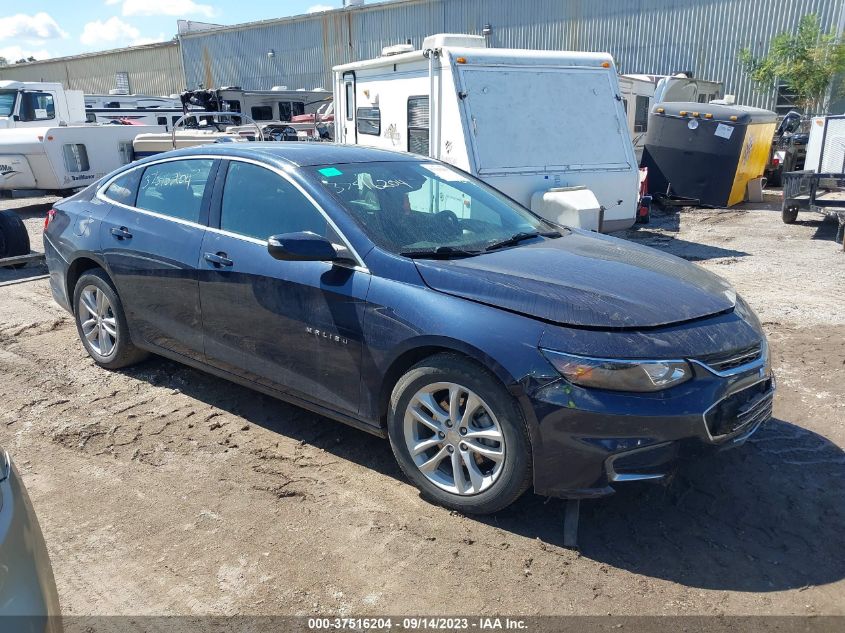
(586, 280)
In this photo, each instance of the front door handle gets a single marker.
(218, 259)
(121, 233)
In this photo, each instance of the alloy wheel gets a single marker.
(454, 438)
(98, 321)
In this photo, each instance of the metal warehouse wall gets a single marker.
(153, 69)
(644, 36)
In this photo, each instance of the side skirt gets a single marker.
(279, 395)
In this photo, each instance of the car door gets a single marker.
(293, 326)
(151, 242)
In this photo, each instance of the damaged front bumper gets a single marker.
(592, 440)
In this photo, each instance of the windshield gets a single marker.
(7, 102)
(416, 207)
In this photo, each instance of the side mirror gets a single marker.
(302, 247)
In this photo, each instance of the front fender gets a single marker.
(406, 322)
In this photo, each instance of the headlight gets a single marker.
(620, 375)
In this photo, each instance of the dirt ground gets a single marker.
(162, 490)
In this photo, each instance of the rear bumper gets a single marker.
(58, 269)
(590, 443)
(28, 594)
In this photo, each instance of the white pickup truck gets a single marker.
(38, 103)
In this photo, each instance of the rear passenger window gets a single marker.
(124, 188)
(259, 203)
(175, 188)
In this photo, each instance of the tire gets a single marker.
(95, 284)
(494, 483)
(14, 238)
(789, 215)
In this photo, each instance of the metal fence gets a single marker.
(153, 69)
(644, 36)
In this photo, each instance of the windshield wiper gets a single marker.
(441, 252)
(516, 238)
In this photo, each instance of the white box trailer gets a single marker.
(640, 92)
(64, 157)
(525, 121)
(637, 98)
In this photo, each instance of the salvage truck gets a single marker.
(46, 144)
(547, 128)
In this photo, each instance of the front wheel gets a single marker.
(101, 322)
(459, 436)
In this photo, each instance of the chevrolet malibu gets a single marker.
(397, 294)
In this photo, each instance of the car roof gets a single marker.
(295, 153)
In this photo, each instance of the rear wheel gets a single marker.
(789, 214)
(101, 322)
(459, 436)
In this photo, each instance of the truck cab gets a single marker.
(36, 104)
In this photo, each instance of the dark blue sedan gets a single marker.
(397, 294)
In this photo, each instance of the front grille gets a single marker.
(725, 361)
(741, 411)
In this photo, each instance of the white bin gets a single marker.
(571, 206)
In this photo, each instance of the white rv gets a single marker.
(46, 144)
(64, 157)
(637, 97)
(640, 92)
(142, 109)
(279, 104)
(535, 124)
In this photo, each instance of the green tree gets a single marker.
(4, 61)
(807, 61)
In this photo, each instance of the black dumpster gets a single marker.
(705, 151)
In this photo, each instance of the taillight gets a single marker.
(50, 215)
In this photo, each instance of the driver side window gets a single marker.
(37, 106)
(259, 203)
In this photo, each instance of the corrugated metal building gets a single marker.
(644, 36)
(153, 69)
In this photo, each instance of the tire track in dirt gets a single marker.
(162, 489)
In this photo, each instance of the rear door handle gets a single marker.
(121, 233)
(218, 259)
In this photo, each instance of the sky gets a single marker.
(54, 28)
